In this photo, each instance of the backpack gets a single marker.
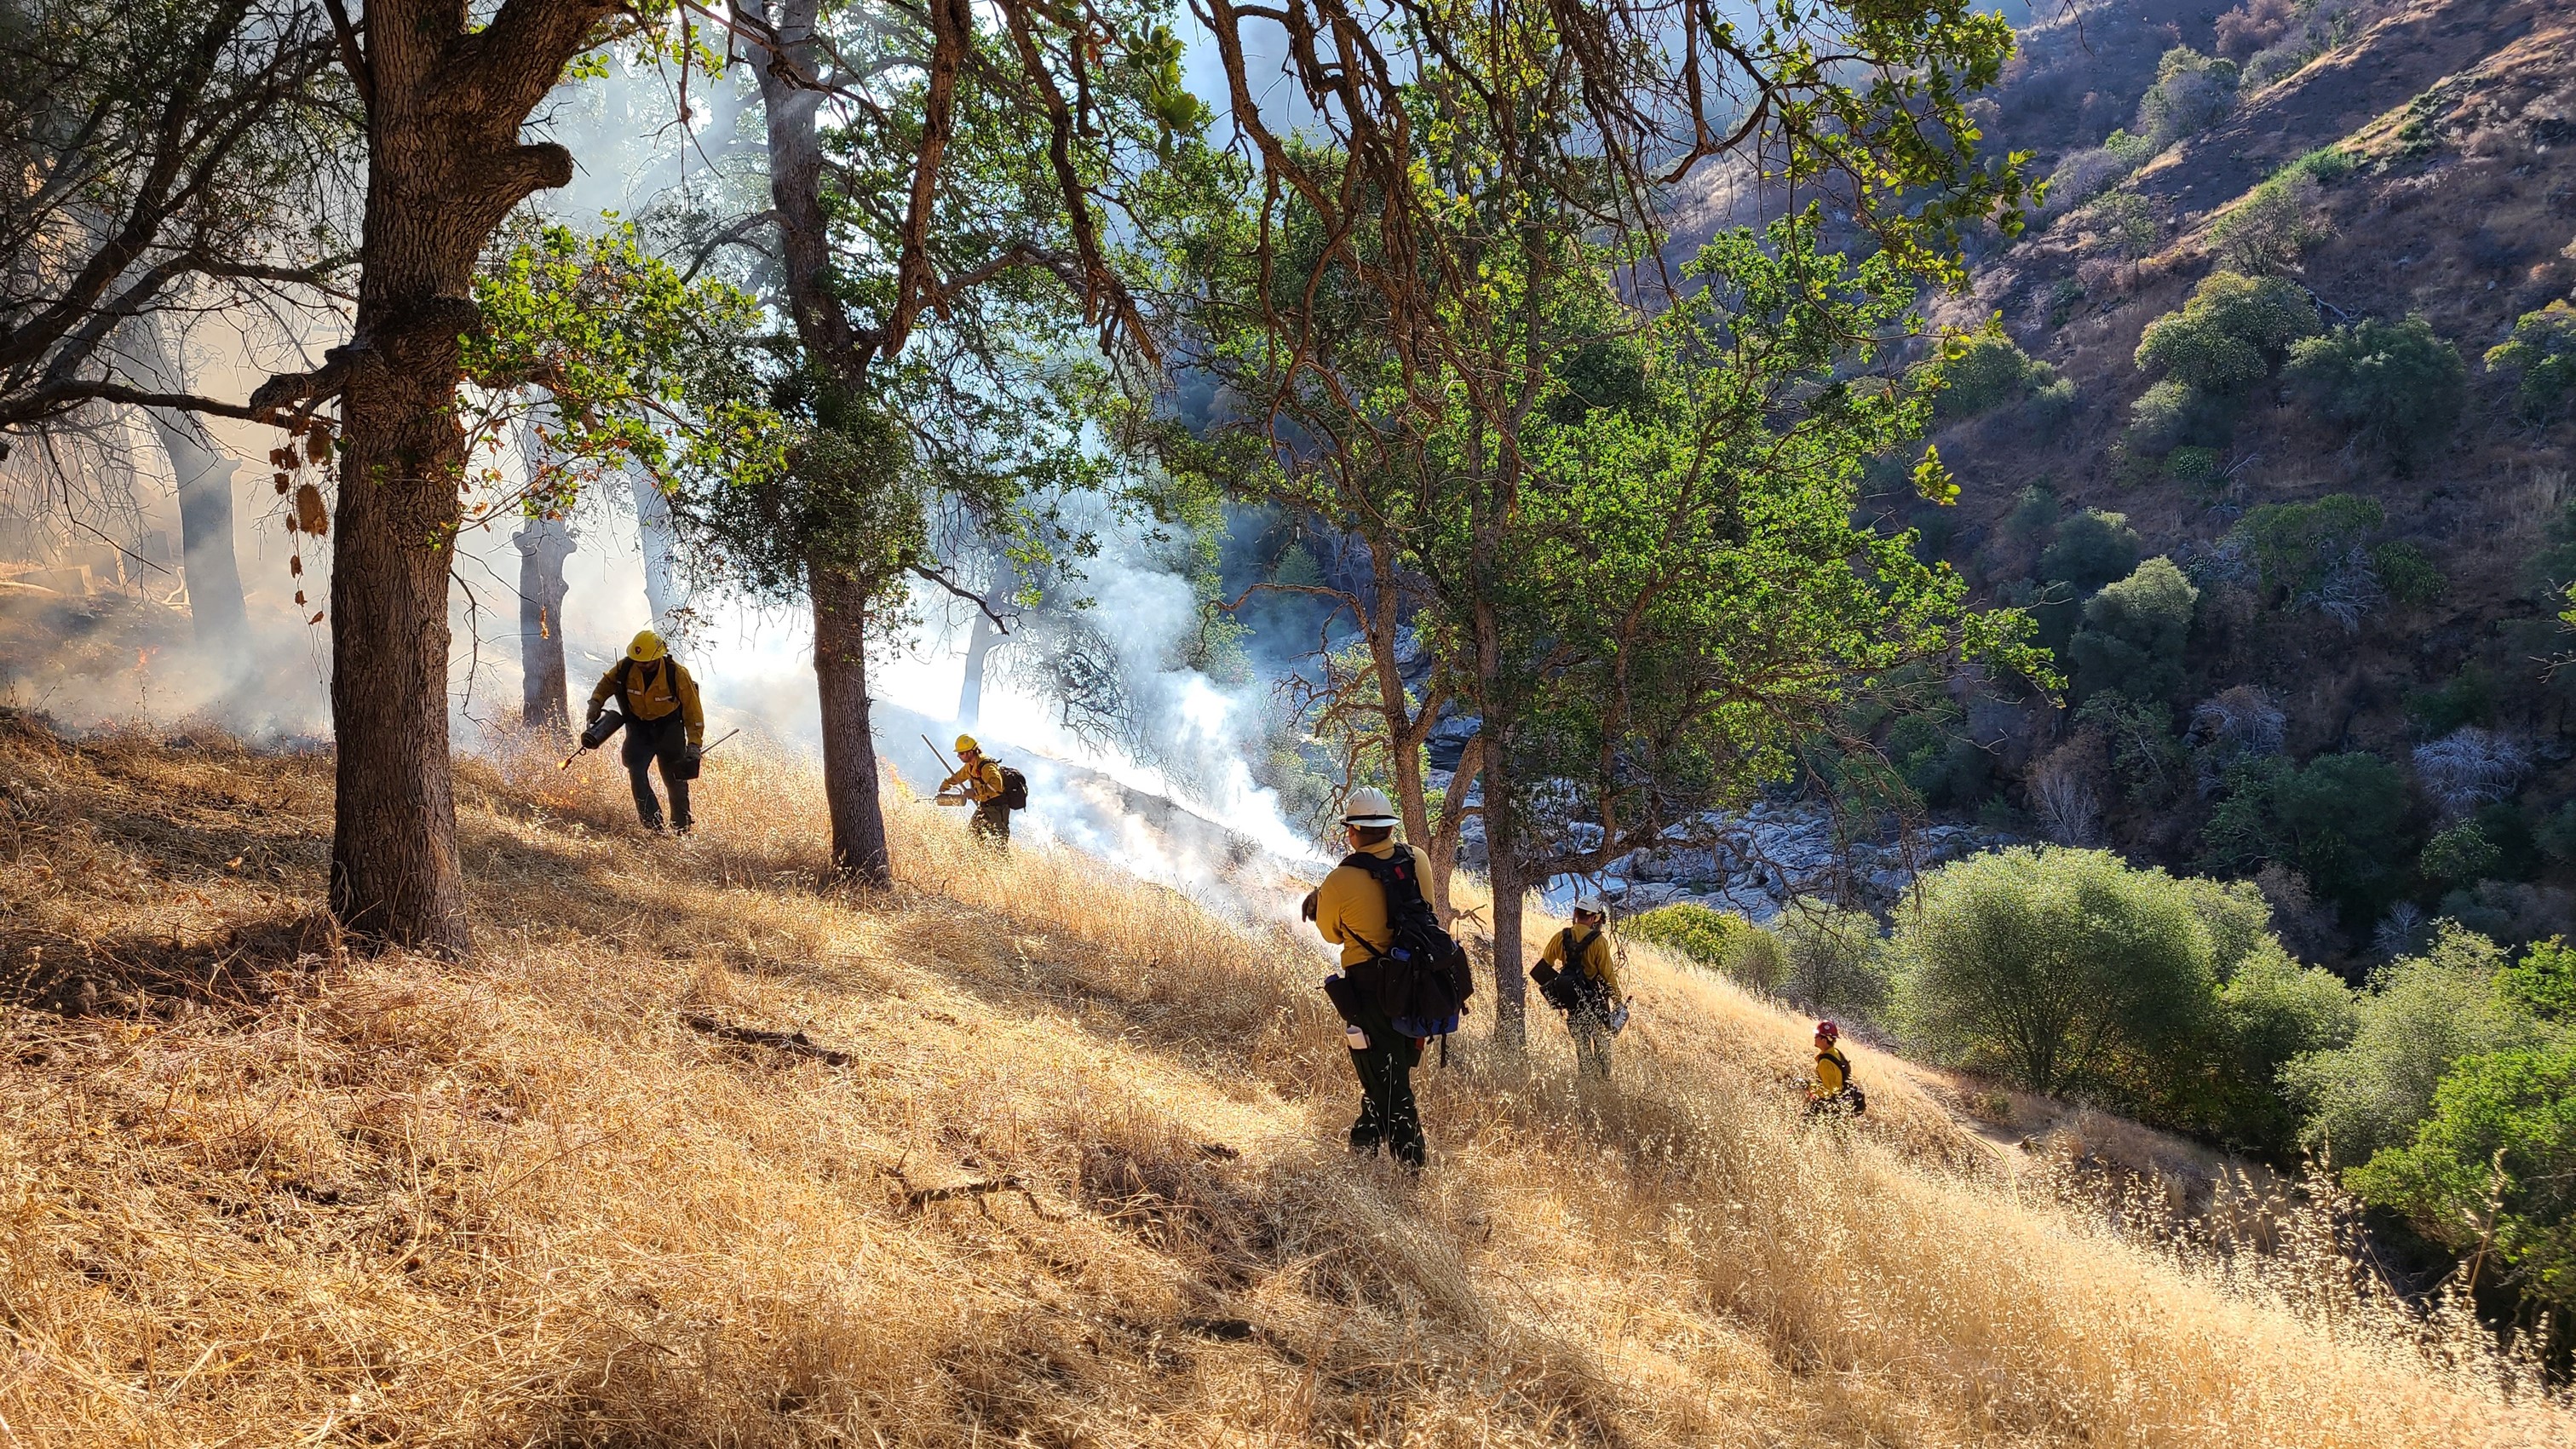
(1015, 789)
(1573, 988)
(1419, 979)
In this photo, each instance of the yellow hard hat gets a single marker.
(646, 648)
(966, 743)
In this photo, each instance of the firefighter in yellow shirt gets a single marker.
(663, 722)
(978, 782)
(1578, 974)
(1834, 1094)
(1350, 910)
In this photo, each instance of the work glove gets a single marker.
(697, 753)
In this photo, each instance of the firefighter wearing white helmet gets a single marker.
(1578, 976)
(1350, 909)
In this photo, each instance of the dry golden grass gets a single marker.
(377, 1200)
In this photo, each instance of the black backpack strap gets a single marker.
(1377, 871)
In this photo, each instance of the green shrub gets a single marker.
(2460, 855)
(2195, 466)
(1836, 962)
(2047, 966)
(2542, 981)
(1719, 940)
(2230, 335)
(2126, 220)
(2169, 416)
(2192, 93)
(2326, 165)
(2407, 572)
(2034, 511)
(2134, 633)
(2423, 1014)
(2297, 544)
(2272, 1011)
(2396, 385)
(2049, 405)
(2468, 699)
(2492, 1169)
(2542, 348)
(1943, 767)
(2340, 821)
(2144, 755)
(2134, 151)
(2275, 225)
(2091, 549)
(1988, 371)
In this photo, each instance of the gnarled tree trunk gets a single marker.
(445, 103)
(849, 738)
(543, 546)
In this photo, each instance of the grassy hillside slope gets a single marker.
(1077, 1180)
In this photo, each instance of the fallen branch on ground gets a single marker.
(796, 1042)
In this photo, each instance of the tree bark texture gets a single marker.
(849, 741)
(1502, 868)
(543, 546)
(445, 103)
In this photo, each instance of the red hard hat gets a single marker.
(1828, 1030)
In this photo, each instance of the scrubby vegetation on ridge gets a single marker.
(1078, 1180)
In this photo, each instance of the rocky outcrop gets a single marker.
(1758, 860)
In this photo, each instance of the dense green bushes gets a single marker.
(2210, 355)
(2340, 821)
(2230, 335)
(2454, 1104)
(2397, 385)
(1835, 961)
(2133, 634)
(1989, 370)
(1820, 957)
(2091, 549)
(2068, 970)
(1719, 940)
(2043, 965)
(2542, 350)
(2296, 544)
(2192, 93)
(2425, 1013)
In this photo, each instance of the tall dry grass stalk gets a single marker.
(1078, 1183)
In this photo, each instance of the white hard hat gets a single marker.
(1590, 906)
(1368, 806)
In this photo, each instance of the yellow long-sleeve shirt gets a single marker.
(652, 691)
(1833, 1072)
(979, 782)
(1596, 960)
(1350, 908)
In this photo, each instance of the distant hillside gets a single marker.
(2440, 183)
